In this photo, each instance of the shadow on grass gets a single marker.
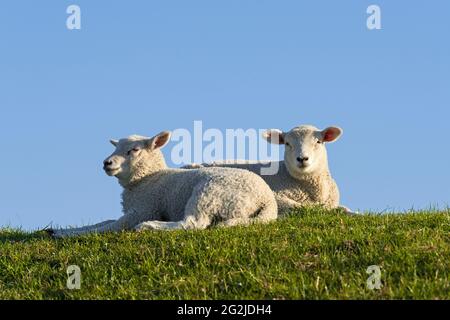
(15, 236)
(316, 211)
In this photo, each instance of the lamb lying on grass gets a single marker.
(303, 178)
(156, 197)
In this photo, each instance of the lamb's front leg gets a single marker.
(86, 228)
(126, 222)
(286, 205)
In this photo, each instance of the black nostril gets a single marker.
(107, 163)
(300, 159)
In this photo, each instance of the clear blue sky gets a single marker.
(146, 66)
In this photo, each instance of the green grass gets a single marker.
(312, 254)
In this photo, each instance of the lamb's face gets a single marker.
(124, 158)
(305, 151)
(135, 157)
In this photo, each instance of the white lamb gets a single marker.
(156, 197)
(303, 178)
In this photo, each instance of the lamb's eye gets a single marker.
(288, 144)
(319, 141)
(133, 150)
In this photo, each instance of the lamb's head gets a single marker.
(305, 151)
(136, 157)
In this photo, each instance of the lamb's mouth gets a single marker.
(112, 171)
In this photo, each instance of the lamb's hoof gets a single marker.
(56, 234)
(50, 232)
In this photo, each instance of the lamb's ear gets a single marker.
(274, 136)
(331, 134)
(160, 140)
(115, 143)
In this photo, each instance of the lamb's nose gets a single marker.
(302, 159)
(107, 163)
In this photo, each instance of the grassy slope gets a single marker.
(311, 254)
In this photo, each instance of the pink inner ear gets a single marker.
(330, 135)
(160, 141)
(277, 137)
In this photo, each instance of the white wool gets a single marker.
(297, 184)
(156, 197)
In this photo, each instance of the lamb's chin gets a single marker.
(302, 171)
(304, 168)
